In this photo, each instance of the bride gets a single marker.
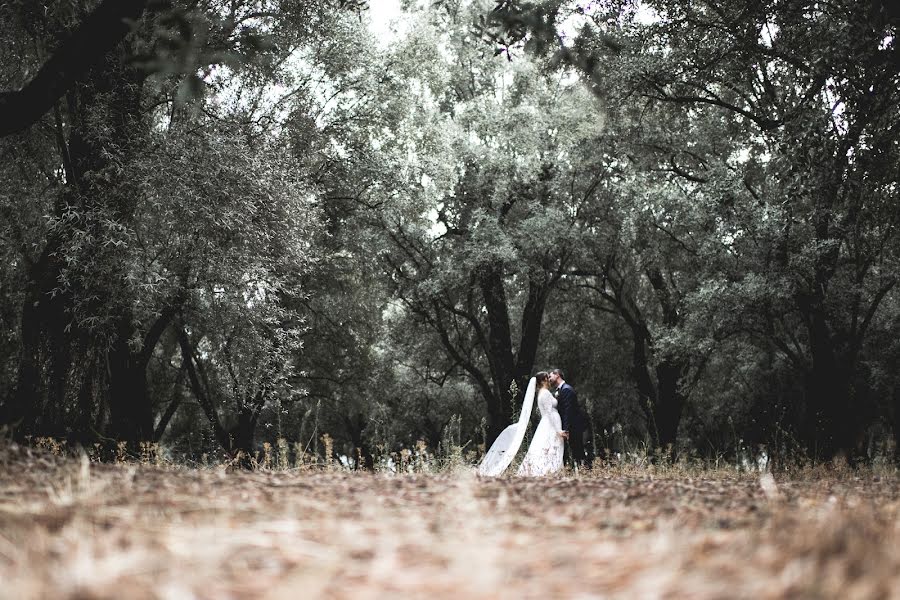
(545, 455)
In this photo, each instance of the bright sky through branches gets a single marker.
(382, 15)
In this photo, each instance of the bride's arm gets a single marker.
(548, 399)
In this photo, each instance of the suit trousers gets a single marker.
(575, 449)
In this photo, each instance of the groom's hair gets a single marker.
(558, 372)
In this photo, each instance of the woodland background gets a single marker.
(230, 222)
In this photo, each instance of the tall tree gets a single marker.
(479, 228)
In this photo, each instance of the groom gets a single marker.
(570, 413)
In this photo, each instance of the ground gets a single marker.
(70, 528)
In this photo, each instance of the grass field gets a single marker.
(74, 529)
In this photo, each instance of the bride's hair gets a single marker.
(542, 377)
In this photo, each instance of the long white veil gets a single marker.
(504, 448)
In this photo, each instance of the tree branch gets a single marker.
(99, 33)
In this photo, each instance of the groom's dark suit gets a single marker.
(572, 421)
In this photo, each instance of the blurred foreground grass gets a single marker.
(70, 528)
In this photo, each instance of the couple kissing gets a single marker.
(561, 421)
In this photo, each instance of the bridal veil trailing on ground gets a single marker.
(507, 443)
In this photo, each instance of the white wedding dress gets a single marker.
(545, 455)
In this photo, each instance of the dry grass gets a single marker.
(73, 529)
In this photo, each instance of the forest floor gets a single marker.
(74, 529)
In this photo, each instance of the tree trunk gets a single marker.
(131, 411)
(827, 395)
(895, 423)
(497, 418)
(669, 398)
(669, 405)
(660, 398)
(505, 366)
(499, 345)
(242, 435)
(26, 403)
(131, 417)
(640, 369)
(356, 425)
(200, 393)
(172, 408)
(43, 370)
(532, 319)
(84, 426)
(832, 424)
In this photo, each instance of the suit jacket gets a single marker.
(569, 410)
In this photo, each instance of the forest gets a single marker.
(235, 225)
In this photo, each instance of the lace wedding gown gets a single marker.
(545, 455)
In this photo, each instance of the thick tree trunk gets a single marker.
(895, 423)
(84, 427)
(828, 391)
(37, 407)
(640, 368)
(506, 367)
(532, 319)
(833, 427)
(356, 425)
(669, 405)
(661, 399)
(26, 403)
(242, 435)
(131, 417)
(669, 398)
(499, 351)
(131, 411)
(497, 418)
(433, 431)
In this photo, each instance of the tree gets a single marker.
(479, 230)
(116, 267)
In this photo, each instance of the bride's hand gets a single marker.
(564, 434)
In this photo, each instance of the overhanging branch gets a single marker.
(99, 33)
